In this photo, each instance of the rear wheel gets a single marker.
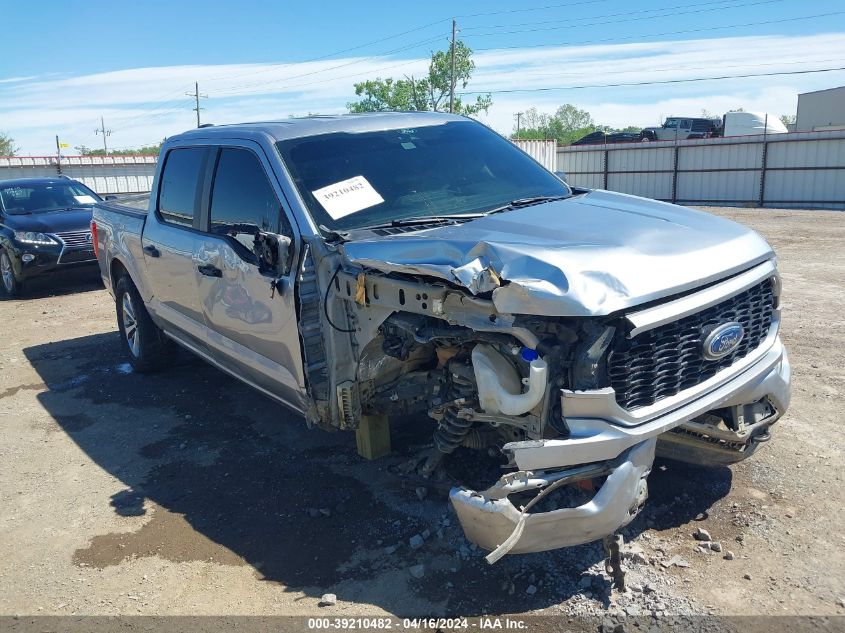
(149, 349)
(9, 284)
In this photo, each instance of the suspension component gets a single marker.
(451, 432)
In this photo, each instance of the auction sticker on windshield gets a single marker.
(347, 196)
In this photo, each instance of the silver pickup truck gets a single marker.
(393, 264)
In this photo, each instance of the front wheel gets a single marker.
(149, 350)
(9, 284)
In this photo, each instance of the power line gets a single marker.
(332, 54)
(677, 68)
(323, 81)
(611, 40)
(157, 101)
(697, 8)
(527, 9)
(146, 118)
(234, 89)
(131, 120)
(163, 99)
(651, 83)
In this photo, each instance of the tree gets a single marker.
(567, 124)
(7, 145)
(787, 119)
(429, 93)
(146, 150)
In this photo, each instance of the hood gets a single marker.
(52, 221)
(589, 255)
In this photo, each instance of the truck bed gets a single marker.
(120, 224)
(135, 204)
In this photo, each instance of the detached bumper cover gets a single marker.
(489, 518)
(489, 522)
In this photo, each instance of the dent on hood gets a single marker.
(593, 256)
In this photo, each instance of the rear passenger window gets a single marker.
(242, 200)
(180, 185)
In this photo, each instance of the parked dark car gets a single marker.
(45, 226)
(600, 138)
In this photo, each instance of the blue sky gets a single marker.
(67, 63)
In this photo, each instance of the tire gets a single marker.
(645, 139)
(148, 349)
(10, 286)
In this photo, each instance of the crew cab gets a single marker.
(378, 266)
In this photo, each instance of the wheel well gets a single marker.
(117, 271)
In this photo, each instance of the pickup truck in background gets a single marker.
(391, 264)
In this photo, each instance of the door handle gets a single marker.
(152, 251)
(210, 271)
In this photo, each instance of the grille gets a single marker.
(72, 257)
(76, 239)
(662, 362)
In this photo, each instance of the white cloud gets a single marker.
(143, 105)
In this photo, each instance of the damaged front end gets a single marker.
(500, 518)
(574, 406)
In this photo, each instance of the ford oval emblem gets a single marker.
(723, 340)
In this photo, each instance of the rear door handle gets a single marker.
(152, 251)
(210, 271)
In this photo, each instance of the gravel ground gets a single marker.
(187, 493)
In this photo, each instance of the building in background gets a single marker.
(821, 110)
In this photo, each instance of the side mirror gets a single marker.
(109, 197)
(273, 252)
(283, 245)
(561, 176)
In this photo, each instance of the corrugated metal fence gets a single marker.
(544, 152)
(800, 170)
(103, 174)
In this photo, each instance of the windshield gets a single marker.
(30, 198)
(355, 180)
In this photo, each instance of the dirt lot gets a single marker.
(187, 493)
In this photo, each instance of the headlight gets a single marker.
(28, 237)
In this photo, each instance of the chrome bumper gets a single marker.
(489, 518)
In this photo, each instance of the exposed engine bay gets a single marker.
(497, 384)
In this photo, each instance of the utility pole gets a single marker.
(58, 156)
(452, 90)
(518, 117)
(196, 95)
(102, 130)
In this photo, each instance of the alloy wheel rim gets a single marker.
(7, 273)
(130, 326)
